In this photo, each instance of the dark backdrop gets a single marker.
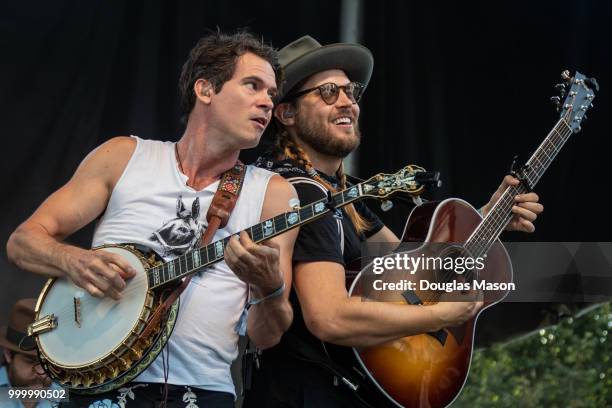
(456, 88)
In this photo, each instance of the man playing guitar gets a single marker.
(315, 126)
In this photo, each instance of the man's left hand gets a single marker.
(525, 209)
(257, 265)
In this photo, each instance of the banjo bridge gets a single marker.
(42, 325)
(77, 311)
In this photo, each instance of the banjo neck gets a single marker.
(200, 258)
(379, 186)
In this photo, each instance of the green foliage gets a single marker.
(567, 365)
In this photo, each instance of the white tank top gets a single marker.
(151, 205)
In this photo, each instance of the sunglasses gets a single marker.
(330, 92)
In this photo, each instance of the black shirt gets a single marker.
(296, 373)
(332, 237)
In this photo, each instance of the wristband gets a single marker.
(274, 294)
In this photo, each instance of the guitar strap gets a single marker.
(217, 217)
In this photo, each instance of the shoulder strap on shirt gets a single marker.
(307, 180)
(324, 190)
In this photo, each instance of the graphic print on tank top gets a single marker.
(180, 234)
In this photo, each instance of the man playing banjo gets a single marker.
(156, 194)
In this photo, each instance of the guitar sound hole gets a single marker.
(462, 269)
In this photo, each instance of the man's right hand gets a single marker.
(99, 272)
(454, 312)
(37, 244)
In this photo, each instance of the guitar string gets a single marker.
(505, 200)
(496, 218)
(499, 219)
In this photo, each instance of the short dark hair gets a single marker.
(214, 58)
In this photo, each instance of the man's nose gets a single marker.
(343, 99)
(266, 102)
(42, 375)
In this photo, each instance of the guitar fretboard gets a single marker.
(200, 258)
(500, 215)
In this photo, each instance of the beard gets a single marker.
(317, 137)
(30, 378)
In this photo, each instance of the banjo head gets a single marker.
(88, 328)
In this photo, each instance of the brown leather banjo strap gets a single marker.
(217, 216)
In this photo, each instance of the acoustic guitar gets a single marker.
(429, 370)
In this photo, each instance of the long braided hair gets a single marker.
(285, 147)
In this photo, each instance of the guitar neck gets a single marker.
(500, 215)
(197, 259)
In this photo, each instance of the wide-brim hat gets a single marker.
(13, 337)
(305, 57)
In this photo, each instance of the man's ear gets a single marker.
(285, 113)
(8, 357)
(203, 90)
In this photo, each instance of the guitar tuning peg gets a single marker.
(555, 100)
(566, 76)
(561, 89)
(592, 83)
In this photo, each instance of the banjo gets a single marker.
(93, 345)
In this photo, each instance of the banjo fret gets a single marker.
(170, 267)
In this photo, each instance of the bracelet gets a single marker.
(277, 292)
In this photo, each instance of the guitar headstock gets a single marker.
(406, 180)
(579, 92)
